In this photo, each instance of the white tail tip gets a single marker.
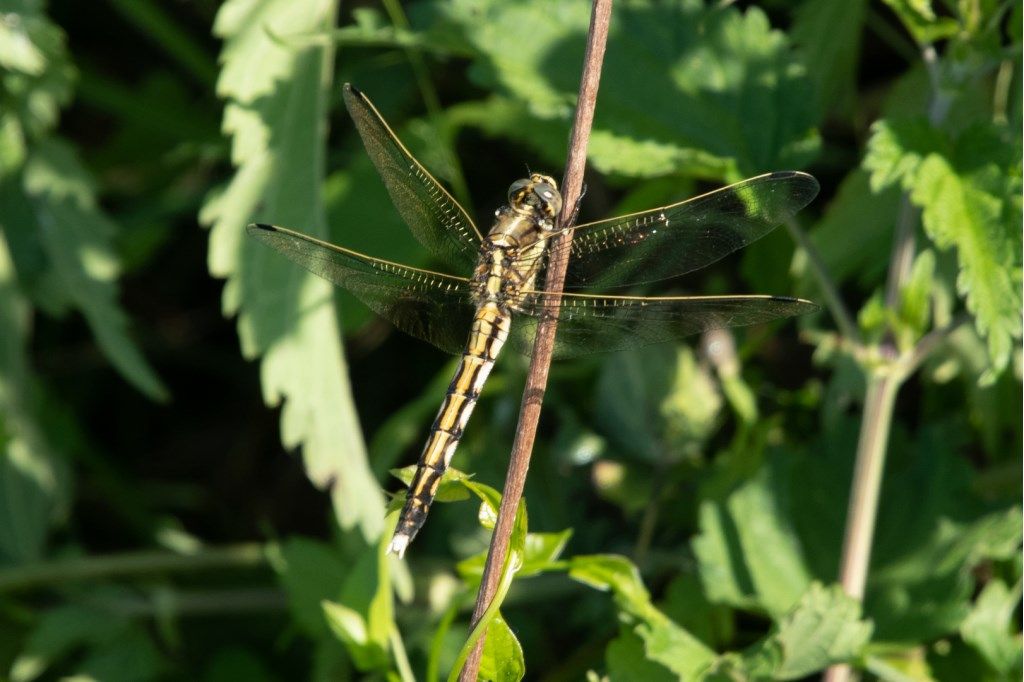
(398, 544)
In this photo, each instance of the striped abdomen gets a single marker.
(488, 335)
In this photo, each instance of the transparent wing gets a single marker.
(431, 306)
(673, 240)
(591, 324)
(432, 214)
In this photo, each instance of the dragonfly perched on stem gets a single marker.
(504, 271)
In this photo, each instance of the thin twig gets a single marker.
(537, 376)
(64, 571)
(883, 386)
(930, 341)
(840, 313)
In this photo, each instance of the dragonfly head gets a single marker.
(537, 193)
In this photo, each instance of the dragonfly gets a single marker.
(502, 271)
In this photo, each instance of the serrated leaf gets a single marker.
(685, 114)
(277, 106)
(990, 627)
(502, 660)
(823, 628)
(35, 79)
(963, 188)
(959, 211)
(664, 641)
(76, 237)
(897, 148)
(33, 479)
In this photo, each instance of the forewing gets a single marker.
(432, 214)
(673, 240)
(431, 306)
(591, 324)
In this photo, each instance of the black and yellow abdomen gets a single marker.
(489, 333)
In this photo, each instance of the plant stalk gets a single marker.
(537, 376)
(62, 572)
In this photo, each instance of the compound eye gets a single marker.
(549, 195)
(517, 187)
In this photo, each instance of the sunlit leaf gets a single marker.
(35, 79)
(964, 188)
(724, 95)
(920, 18)
(823, 628)
(76, 238)
(276, 113)
(990, 629)
(33, 479)
(664, 641)
(502, 659)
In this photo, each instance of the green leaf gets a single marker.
(914, 312)
(823, 628)
(963, 188)
(33, 478)
(276, 113)
(897, 148)
(734, 568)
(115, 648)
(540, 551)
(131, 657)
(724, 96)
(627, 661)
(960, 210)
(35, 79)
(502, 659)
(452, 487)
(664, 641)
(921, 20)
(658, 404)
(367, 599)
(76, 238)
(686, 604)
(311, 573)
(991, 628)
(828, 32)
(857, 226)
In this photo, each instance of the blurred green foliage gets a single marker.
(686, 505)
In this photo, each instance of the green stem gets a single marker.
(61, 572)
(867, 482)
(195, 603)
(481, 627)
(864, 492)
(844, 320)
(401, 659)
